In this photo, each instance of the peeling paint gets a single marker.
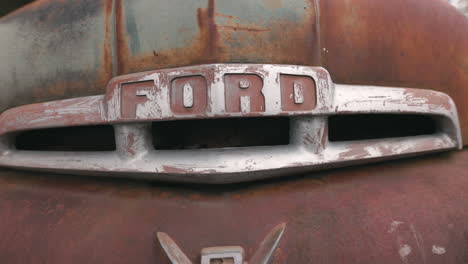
(331, 34)
(438, 250)
(394, 225)
(309, 147)
(404, 251)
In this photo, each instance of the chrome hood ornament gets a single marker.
(225, 254)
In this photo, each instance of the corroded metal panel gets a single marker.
(75, 47)
(209, 31)
(398, 43)
(54, 49)
(403, 211)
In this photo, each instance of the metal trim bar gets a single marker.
(309, 148)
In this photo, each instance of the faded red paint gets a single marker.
(234, 91)
(420, 44)
(132, 94)
(170, 169)
(334, 216)
(287, 83)
(130, 144)
(200, 95)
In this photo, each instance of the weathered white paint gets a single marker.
(245, 104)
(419, 242)
(243, 84)
(394, 225)
(461, 5)
(404, 251)
(438, 250)
(298, 93)
(188, 95)
(309, 148)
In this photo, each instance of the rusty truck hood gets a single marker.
(64, 49)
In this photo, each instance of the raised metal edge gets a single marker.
(309, 148)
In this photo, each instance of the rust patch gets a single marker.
(351, 46)
(386, 43)
(203, 49)
(357, 151)
(273, 3)
(245, 28)
(324, 137)
(130, 144)
(349, 213)
(219, 42)
(171, 169)
(206, 21)
(122, 47)
(107, 60)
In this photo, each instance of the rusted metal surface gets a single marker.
(410, 211)
(209, 31)
(397, 43)
(133, 101)
(54, 49)
(268, 246)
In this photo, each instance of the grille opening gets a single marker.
(82, 138)
(220, 133)
(375, 126)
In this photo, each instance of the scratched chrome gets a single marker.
(306, 94)
(225, 254)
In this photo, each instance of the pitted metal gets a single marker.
(305, 94)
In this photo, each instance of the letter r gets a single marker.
(243, 93)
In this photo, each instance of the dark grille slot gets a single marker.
(220, 133)
(84, 138)
(375, 126)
